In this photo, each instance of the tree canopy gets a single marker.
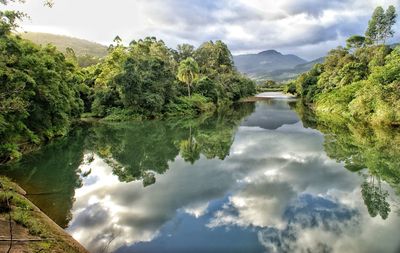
(380, 26)
(188, 71)
(359, 82)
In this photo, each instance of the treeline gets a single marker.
(360, 82)
(148, 79)
(42, 91)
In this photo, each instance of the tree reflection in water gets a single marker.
(139, 150)
(371, 150)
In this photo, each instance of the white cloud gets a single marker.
(305, 27)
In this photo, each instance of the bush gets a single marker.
(118, 114)
(194, 105)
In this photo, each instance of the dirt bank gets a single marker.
(32, 231)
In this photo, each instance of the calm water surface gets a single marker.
(261, 177)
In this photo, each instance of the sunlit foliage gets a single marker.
(360, 82)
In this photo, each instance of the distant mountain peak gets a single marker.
(270, 52)
(271, 65)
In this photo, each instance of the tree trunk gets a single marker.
(189, 89)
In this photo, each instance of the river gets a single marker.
(263, 176)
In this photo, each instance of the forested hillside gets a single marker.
(80, 46)
(360, 82)
(87, 53)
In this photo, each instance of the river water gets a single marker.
(264, 176)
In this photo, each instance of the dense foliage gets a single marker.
(43, 90)
(148, 79)
(360, 82)
(39, 92)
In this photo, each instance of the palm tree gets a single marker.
(188, 71)
(190, 149)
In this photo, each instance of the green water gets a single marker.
(260, 177)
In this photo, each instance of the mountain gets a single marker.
(80, 46)
(286, 74)
(272, 65)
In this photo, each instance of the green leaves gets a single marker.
(39, 95)
(380, 26)
(188, 71)
(145, 78)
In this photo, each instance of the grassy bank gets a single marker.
(31, 229)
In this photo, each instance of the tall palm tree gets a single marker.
(188, 71)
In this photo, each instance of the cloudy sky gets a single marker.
(307, 28)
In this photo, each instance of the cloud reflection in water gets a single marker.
(276, 192)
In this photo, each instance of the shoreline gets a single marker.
(32, 230)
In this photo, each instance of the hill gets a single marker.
(286, 74)
(80, 46)
(272, 65)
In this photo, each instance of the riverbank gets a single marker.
(31, 229)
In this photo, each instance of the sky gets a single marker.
(307, 28)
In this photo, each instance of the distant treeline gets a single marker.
(360, 82)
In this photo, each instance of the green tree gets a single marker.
(117, 40)
(39, 95)
(188, 71)
(375, 199)
(107, 94)
(380, 26)
(355, 41)
(390, 20)
(214, 58)
(376, 24)
(184, 51)
(147, 79)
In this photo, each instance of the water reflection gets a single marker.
(272, 114)
(374, 151)
(210, 185)
(140, 150)
(277, 191)
(50, 175)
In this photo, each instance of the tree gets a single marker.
(188, 71)
(117, 40)
(39, 95)
(381, 23)
(390, 20)
(184, 51)
(8, 19)
(355, 41)
(375, 24)
(214, 59)
(375, 199)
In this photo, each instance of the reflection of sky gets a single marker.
(276, 192)
(271, 114)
